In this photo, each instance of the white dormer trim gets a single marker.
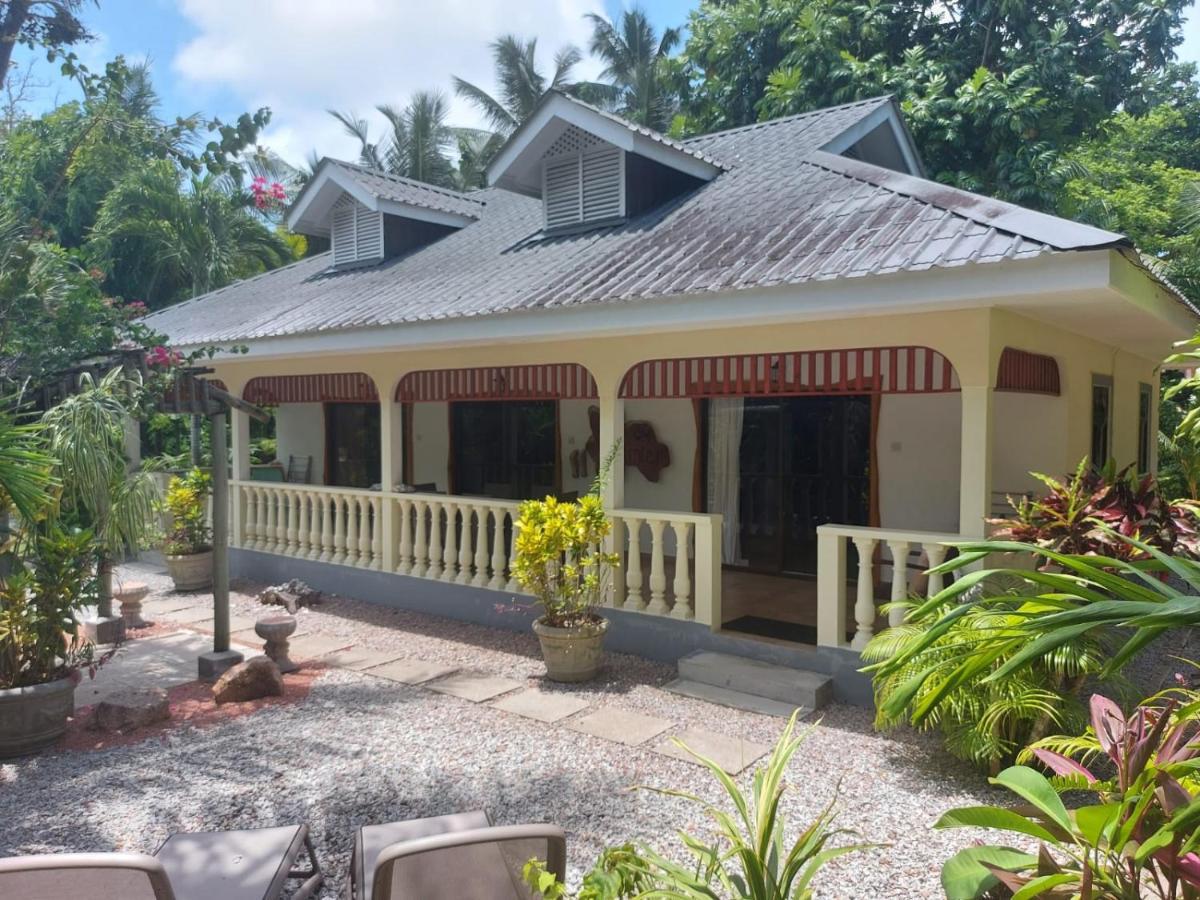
(311, 211)
(888, 114)
(518, 165)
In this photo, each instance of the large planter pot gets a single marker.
(33, 718)
(192, 572)
(572, 654)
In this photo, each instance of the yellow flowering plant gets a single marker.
(186, 502)
(559, 555)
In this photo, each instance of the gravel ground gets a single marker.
(361, 749)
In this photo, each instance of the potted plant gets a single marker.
(558, 559)
(188, 548)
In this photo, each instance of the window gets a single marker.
(352, 444)
(1145, 431)
(504, 449)
(1102, 390)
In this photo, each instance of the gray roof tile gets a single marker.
(783, 212)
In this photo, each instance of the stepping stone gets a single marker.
(730, 753)
(735, 699)
(410, 671)
(474, 686)
(162, 607)
(236, 624)
(312, 646)
(540, 705)
(620, 725)
(360, 658)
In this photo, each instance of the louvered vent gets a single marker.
(357, 233)
(583, 180)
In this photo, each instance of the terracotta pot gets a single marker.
(32, 718)
(572, 654)
(192, 572)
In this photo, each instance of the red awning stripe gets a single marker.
(1027, 373)
(557, 381)
(887, 370)
(343, 387)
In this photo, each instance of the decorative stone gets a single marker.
(275, 631)
(291, 595)
(128, 710)
(131, 597)
(256, 678)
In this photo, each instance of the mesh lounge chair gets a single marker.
(299, 470)
(451, 858)
(254, 864)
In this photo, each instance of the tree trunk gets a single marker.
(10, 28)
(196, 448)
(104, 573)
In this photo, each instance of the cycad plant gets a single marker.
(750, 859)
(85, 434)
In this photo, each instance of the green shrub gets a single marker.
(187, 504)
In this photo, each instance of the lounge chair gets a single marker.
(451, 858)
(254, 864)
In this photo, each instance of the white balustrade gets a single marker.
(473, 542)
(834, 628)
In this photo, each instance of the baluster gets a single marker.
(935, 555)
(658, 575)
(406, 551)
(328, 528)
(899, 580)
(481, 547)
(864, 603)
(351, 555)
(499, 561)
(466, 549)
(281, 504)
(364, 532)
(435, 541)
(339, 529)
(420, 551)
(290, 533)
(314, 525)
(682, 608)
(302, 526)
(377, 534)
(269, 537)
(633, 566)
(251, 524)
(512, 556)
(450, 551)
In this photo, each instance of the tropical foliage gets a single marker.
(417, 143)
(186, 503)
(751, 857)
(1137, 840)
(636, 76)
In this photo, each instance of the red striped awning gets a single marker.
(1027, 373)
(886, 370)
(558, 381)
(344, 387)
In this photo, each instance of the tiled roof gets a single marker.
(783, 212)
(416, 193)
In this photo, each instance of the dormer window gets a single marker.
(357, 233)
(583, 180)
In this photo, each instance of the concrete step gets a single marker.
(795, 687)
(734, 699)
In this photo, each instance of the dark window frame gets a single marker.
(1101, 436)
(1145, 427)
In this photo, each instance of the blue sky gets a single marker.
(300, 57)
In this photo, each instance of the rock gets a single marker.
(291, 595)
(128, 710)
(251, 680)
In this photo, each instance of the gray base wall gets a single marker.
(653, 637)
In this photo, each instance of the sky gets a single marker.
(302, 57)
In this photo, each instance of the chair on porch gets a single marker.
(299, 470)
(251, 864)
(451, 857)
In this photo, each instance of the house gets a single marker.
(821, 364)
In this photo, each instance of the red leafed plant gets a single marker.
(1089, 512)
(1138, 840)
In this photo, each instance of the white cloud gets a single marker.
(301, 57)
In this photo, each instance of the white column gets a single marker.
(658, 574)
(405, 508)
(899, 580)
(239, 427)
(481, 547)
(391, 468)
(682, 586)
(633, 565)
(864, 604)
(612, 430)
(316, 507)
(420, 549)
(831, 589)
(499, 556)
(466, 549)
(450, 554)
(975, 489)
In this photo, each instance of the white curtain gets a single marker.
(724, 447)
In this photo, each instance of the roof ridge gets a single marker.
(403, 179)
(781, 120)
(1000, 214)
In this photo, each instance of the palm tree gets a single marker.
(634, 60)
(521, 84)
(174, 241)
(416, 144)
(85, 433)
